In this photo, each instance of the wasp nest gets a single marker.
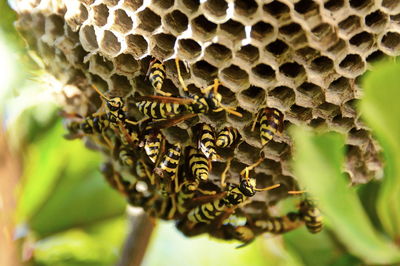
(303, 58)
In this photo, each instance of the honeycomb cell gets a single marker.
(324, 34)
(248, 54)
(245, 8)
(164, 45)
(87, 36)
(176, 22)
(126, 64)
(292, 70)
(277, 48)
(261, 31)
(120, 85)
(277, 9)
(299, 113)
(306, 54)
(234, 29)
(204, 71)
(240, 121)
(309, 95)
(228, 97)
(376, 20)
(149, 21)
(132, 5)
(338, 48)
(352, 64)
(235, 78)
(306, 6)
(164, 4)
(101, 65)
(327, 110)
(395, 19)
(264, 72)
(334, 5)
(321, 64)
(188, 48)
(75, 17)
(375, 56)
(282, 97)
(252, 98)
(122, 22)
(110, 44)
(350, 25)
(216, 8)
(247, 154)
(361, 4)
(100, 15)
(391, 42)
(217, 54)
(203, 28)
(339, 91)
(363, 41)
(276, 150)
(111, 2)
(176, 135)
(136, 45)
(342, 124)
(317, 122)
(290, 30)
(55, 25)
(391, 5)
(191, 5)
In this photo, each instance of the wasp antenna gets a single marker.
(295, 192)
(255, 121)
(231, 111)
(100, 93)
(223, 175)
(178, 69)
(268, 188)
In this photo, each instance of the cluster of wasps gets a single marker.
(171, 181)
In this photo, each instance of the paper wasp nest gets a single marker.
(302, 57)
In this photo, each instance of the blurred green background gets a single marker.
(67, 215)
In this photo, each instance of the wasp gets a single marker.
(280, 224)
(226, 137)
(90, 125)
(233, 197)
(126, 155)
(163, 107)
(311, 216)
(153, 143)
(271, 123)
(169, 164)
(156, 74)
(207, 142)
(198, 164)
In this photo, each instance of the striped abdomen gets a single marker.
(152, 145)
(157, 75)
(271, 123)
(158, 110)
(311, 216)
(207, 142)
(227, 137)
(198, 164)
(207, 212)
(170, 161)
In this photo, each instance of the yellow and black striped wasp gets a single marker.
(226, 137)
(156, 74)
(206, 142)
(163, 107)
(271, 123)
(228, 200)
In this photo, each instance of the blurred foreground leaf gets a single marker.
(65, 203)
(325, 156)
(381, 110)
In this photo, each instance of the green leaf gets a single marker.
(381, 111)
(63, 187)
(97, 245)
(317, 164)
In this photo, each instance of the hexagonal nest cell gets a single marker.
(300, 57)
